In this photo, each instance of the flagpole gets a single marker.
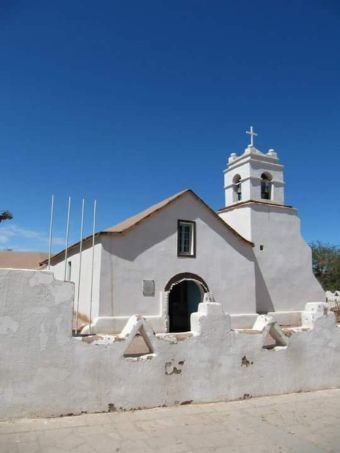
(67, 234)
(50, 233)
(80, 258)
(92, 267)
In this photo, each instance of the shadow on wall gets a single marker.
(264, 302)
(132, 243)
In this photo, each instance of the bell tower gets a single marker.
(254, 176)
(254, 207)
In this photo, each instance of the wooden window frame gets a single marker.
(181, 254)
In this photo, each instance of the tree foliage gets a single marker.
(326, 265)
(5, 215)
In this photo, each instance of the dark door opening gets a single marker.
(184, 298)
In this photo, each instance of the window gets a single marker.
(69, 270)
(266, 186)
(186, 241)
(237, 188)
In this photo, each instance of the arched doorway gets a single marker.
(184, 298)
(186, 291)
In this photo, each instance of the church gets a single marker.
(161, 263)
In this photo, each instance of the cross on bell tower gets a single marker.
(252, 135)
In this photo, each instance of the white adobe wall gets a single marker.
(46, 372)
(149, 252)
(85, 283)
(284, 276)
(240, 219)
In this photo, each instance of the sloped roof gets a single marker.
(137, 218)
(134, 220)
(21, 260)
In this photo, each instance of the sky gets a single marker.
(128, 102)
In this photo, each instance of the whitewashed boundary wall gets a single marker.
(46, 372)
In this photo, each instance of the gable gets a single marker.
(161, 229)
(155, 212)
(135, 220)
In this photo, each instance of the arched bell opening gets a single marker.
(237, 189)
(266, 186)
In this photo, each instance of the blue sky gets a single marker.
(128, 102)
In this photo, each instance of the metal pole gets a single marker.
(50, 233)
(67, 233)
(80, 257)
(93, 237)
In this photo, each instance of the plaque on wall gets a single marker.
(148, 287)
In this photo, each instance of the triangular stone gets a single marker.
(139, 337)
(139, 345)
(271, 331)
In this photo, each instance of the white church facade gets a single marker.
(249, 256)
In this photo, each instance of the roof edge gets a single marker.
(262, 203)
(147, 216)
(172, 200)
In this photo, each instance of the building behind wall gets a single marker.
(160, 263)
(15, 259)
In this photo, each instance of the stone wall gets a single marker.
(44, 371)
